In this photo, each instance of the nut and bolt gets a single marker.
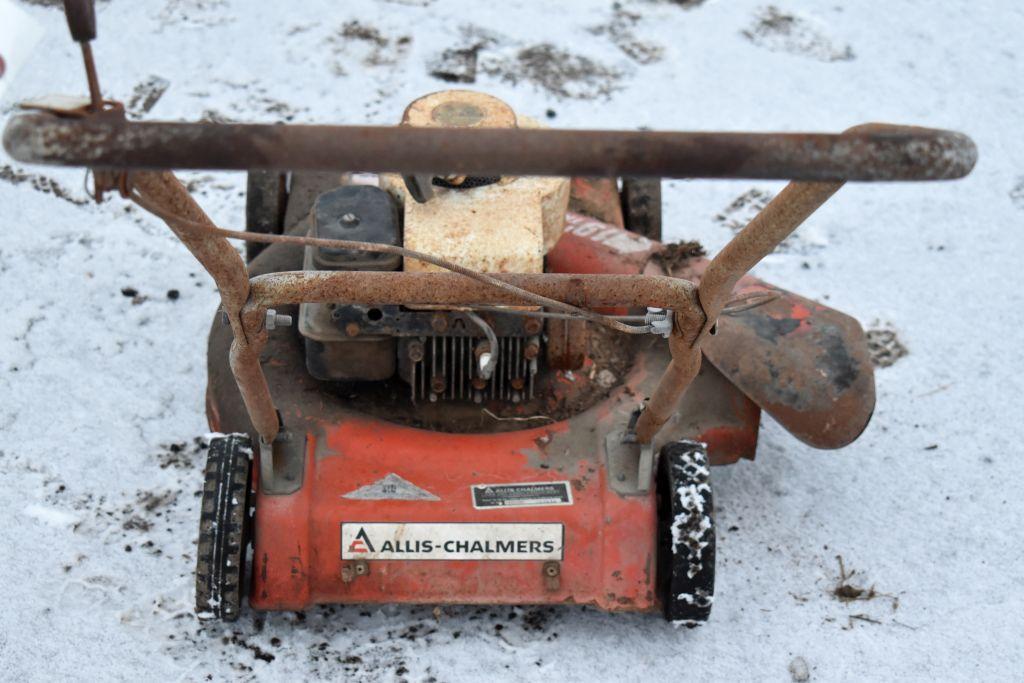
(352, 329)
(438, 384)
(350, 570)
(415, 351)
(533, 325)
(551, 573)
(275, 319)
(531, 350)
(439, 322)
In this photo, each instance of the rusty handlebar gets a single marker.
(111, 142)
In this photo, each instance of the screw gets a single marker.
(415, 352)
(437, 384)
(531, 350)
(275, 319)
(552, 569)
(352, 329)
(532, 325)
(439, 322)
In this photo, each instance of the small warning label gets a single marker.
(539, 494)
(391, 487)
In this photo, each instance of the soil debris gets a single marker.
(145, 95)
(685, 4)
(884, 346)
(459, 63)
(676, 254)
(620, 31)
(561, 73)
(847, 592)
(537, 618)
(183, 455)
(40, 183)
(743, 208)
(456, 65)
(778, 31)
(201, 13)
(133, 294)
(379, 48)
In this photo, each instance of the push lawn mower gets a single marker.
(479, 376)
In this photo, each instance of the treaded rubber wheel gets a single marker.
(641, 206)
(224, 528)
(686, 533)
(265, 199)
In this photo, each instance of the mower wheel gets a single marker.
(641, 206)
(686, 533)
(224, 528)
(265, 198)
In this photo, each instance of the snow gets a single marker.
(102, 392)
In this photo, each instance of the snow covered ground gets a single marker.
(102, 368)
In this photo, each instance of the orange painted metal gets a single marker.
(297, 558)
(591, 246)
(597, 197)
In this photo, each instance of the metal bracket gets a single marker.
(282, 463)
(645, 461)
(645, 468)
(630, 464)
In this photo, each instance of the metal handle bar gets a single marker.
(108, 141)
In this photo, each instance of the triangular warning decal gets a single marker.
(391, 487)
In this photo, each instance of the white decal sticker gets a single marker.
(538, 494)
(391, 487)
(613, 237)
(450, 541)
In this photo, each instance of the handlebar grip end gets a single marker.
(81, 16)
